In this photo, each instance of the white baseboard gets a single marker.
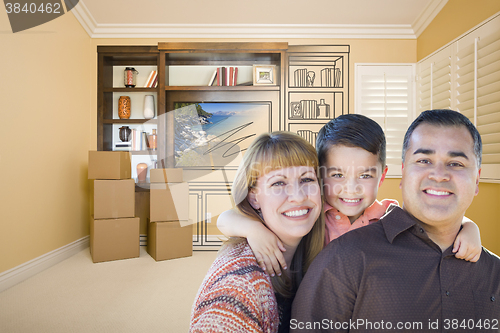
(28, 269)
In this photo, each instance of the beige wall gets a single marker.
(45, 133)
(456, 18)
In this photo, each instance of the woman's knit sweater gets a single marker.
(236, 295)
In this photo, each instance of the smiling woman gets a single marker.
(276, 184)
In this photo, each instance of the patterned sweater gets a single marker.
(235, 296)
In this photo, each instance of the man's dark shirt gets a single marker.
(391, 273)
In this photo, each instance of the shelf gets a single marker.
(152, 152)
(222, 88)
(142, 187)
(144, 152)
(130, 89)
(315, 89)
(320, 121)
(129, 121)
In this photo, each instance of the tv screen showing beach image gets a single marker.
(216, 135)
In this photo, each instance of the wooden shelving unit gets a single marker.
(173, 61)
(111, 62)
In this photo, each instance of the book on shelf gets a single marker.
(139, 140)
(224, 77)
(150, 79)
(213, 78)
(231, 76)
(331, 77)
(147, 80)
(123, 146)
(155, 81)
(224, 72)
(300, 77)
(144, 141)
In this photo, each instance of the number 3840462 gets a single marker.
(32, 8)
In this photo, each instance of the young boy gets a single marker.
(351, 151)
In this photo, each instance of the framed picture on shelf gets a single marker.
(264, 75)
(296, 111)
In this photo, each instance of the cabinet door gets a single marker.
(207, 202)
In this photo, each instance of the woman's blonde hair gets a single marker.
(268, 152)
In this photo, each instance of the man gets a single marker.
(400, 273)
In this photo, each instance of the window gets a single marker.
(385, 93)
(465, 76)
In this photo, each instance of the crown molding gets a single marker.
(252, 31)
(83, 15)
(427, 15)
(286, 31)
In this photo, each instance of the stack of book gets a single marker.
(224, 76)
(300, 77)
(330, 77)
(309, 109)
(139, 140)
(310, 136)
(152, 80)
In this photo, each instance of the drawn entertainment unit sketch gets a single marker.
(317, 88)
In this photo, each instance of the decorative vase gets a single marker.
(124, 107)
(152, 140)
(142, 171)
(149, 107)
(323, 109)
(125, 133)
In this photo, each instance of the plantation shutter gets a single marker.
(477, 85)
(434, 82)
(488, 96)
(384, 93)
(424, 86)
(465, 82)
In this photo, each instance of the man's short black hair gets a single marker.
(351, 130)
(445, 117)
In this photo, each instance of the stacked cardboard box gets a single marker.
(114, 229)
(169, 232)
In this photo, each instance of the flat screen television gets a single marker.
(216, 134)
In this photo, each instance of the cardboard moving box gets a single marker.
(109, 165)
(169, 240)
(169, 202)
(114, 198)
(169, 175)
(114, 239)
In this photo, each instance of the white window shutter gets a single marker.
(488, 96)
(384, 93)
(464, 73)
(434, 82)
(477, 84)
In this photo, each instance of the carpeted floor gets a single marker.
(133, 295)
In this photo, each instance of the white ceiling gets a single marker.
(256, 18)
